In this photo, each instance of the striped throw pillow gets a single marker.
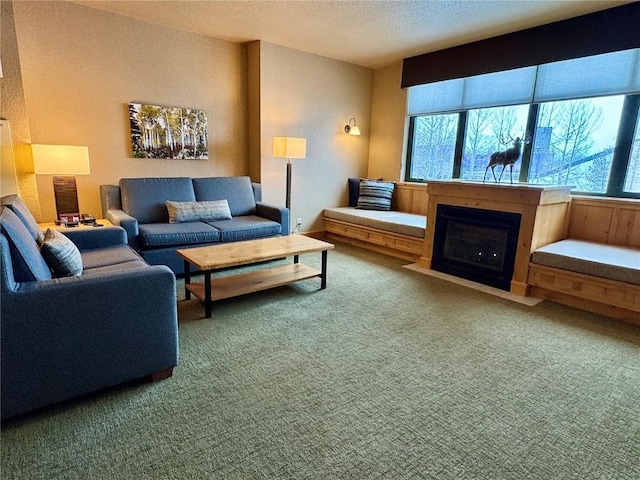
(61, 254)
(180, 212)
(375, 195)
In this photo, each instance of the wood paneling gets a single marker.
(605, 220)
(411, 198)
(599, 295)
(394, 244)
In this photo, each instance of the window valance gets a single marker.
(599, 75)
(610, 30)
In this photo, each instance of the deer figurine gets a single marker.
(504, 158)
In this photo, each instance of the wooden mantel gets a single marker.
(543, 208)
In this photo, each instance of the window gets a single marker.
(574, 143)
(632, 180)
(489, 130)
(577, 122)
(433, 146)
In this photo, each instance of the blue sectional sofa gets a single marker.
(113, 322)
(139, 205)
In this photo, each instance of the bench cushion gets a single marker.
(599, 260)
(391, 221)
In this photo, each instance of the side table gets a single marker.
(62, 228)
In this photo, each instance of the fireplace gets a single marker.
(476, 244)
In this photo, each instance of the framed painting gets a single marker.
(168, 132)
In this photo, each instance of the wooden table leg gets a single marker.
(323, 276)
(207, 294)
(187, 280)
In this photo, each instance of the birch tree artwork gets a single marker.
(168, 132)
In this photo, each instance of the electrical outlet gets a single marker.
(298, 222)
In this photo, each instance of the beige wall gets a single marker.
(387, 124)
(80, 69)
(13, 108)
(305, 95)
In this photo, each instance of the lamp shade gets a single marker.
(289, 147)
(60, 160)
(354, 130)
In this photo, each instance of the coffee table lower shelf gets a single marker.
(234, 285)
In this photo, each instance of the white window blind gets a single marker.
(600, 75)
(607, 74)
(499, 89)
(436, 97)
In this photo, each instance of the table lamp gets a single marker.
(64, 162)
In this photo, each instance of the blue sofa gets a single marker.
(65, 337)
(139, 206)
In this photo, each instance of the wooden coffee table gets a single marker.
(215, 257)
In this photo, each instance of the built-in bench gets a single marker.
(598, 267)
(398, 232)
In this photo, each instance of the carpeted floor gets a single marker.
(386, 374)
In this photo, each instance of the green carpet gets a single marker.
(386, 374)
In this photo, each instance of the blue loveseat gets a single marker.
(65, 337)
(139, 205)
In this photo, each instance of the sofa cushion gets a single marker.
(108, 256)
(613, 262)
(144, 198)
(61, 254)
(176, 234)
(246, 227)
(15, 203)
(236, 190)
(180, 212)
(27, 261)
(375, 195)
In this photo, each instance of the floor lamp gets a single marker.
(289, 147)
(64, 162)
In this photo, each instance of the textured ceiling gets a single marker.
(370, 33)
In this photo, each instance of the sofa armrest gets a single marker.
(126, 221)
(74, 335)
(98, 237)
(110, 198)
(257, 191)
(274, 213)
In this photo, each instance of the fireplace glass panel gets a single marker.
(476, 244)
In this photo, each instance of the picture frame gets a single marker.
(168, 132)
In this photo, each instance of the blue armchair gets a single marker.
(65, 337)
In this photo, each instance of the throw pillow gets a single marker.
(180, 212)
(354, 189)
(375, 195)
(61, 254)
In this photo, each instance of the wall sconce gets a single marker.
(352, 129)
(62, 161)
